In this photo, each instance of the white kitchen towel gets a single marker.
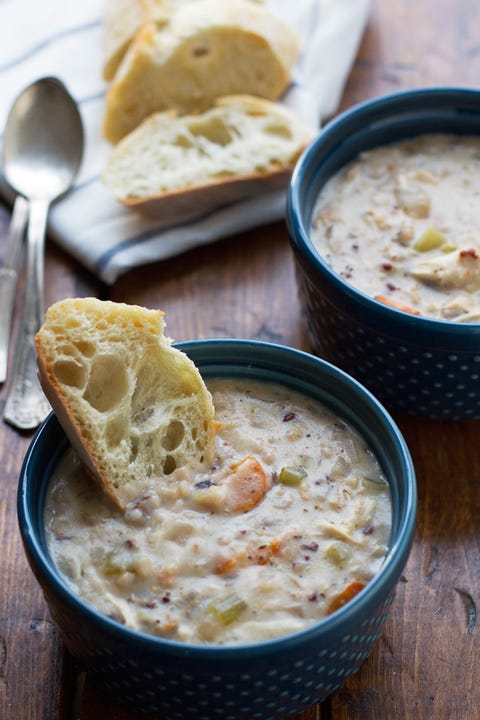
(63, 38)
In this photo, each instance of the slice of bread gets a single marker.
(122, 20)
(209, 48)
(125, 18)
(133, 406)
(242, 146)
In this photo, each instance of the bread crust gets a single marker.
(125, 18)
(133, 407)
(169, 206)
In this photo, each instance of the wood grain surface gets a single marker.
(426, 666)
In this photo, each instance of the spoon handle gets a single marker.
(26, 405)
(9, 277)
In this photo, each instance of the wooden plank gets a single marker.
(242, 287)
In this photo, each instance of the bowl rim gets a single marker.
(390, 569)
(387, 105)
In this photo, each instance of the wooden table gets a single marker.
(427, 663)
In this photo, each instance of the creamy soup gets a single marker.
(290, 522)
(401, 223)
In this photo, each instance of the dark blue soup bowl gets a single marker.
(270, 679)
(414, 364)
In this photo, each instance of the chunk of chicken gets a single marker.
(412, 197)
(455, 270)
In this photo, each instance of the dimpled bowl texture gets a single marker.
(414, 364)
(270, 679)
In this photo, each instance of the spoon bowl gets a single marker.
(42, 153)
(43, 140)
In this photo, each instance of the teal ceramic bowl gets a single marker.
(261, 681)
(418, 365)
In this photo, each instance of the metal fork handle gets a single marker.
(26, 405)
(9, 277)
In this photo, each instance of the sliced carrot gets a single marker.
(262, 554)
(386, 300)
(349, 592)
(246, 486)
(224, 564)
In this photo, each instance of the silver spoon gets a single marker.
(9, 277)
(42, 152)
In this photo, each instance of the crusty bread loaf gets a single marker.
(209, 48)
(124, 19)
(241, 146)
(133, 407)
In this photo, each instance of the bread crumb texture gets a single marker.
(241, 137)
(134, 407)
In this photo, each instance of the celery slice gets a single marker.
(337, 553)
(119, 560)
(227, 608)
(292, 475)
